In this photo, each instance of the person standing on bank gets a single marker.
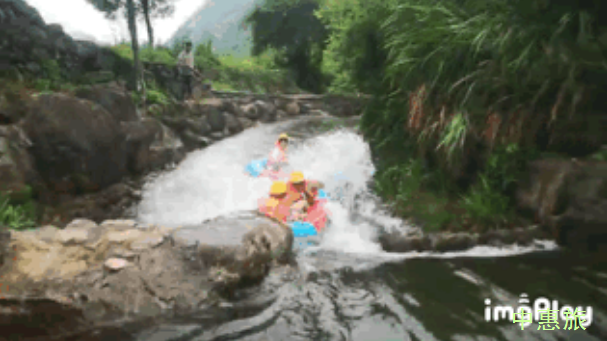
(186, 70)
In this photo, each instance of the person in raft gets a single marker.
(275, 206)
(316, 213)
(278, 157)
(301, 195)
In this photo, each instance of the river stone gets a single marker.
(293, 109)
(233, 108)
(246, 123)
(232, 123)
(119, 223)
(123, 236)
(267, 111)
(193, 141)
(81, 223)
(496, 238)
(72, 236)
(48, 233)
(123, 254)
(148, 242)
(116, 264)
(454, 242)
(217, 135)
(216, 119)
(251, 111)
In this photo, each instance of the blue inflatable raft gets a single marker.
(256, 167)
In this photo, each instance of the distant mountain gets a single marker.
(221, 22)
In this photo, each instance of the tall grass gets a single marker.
(522, 64)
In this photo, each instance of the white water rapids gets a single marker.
(211, 183)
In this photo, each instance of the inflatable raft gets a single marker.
(316, 221)
(257, 168)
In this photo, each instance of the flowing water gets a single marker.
(347, 288)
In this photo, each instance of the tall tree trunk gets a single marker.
(145, 4)
(130, 10)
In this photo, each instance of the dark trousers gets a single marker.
(187, 86)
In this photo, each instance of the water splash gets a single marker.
(211, 183)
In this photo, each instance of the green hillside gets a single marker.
(219, 21)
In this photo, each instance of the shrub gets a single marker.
(18, 217)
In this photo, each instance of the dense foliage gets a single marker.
(466, 92)
(467, 89)
(291, 29)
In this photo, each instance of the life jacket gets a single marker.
(317, 214)
(274, 208)
(293, 195)
(277, 156)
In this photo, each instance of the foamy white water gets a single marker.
(212, 183)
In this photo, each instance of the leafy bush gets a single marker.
(442, 69)
(404, 186)
(147, 54)
(158, 55)
(18, 217)
(51, 70)
(157, 97)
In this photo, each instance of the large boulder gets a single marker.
(118, 103)
(139, 138)
(167, 148)
(240, 249)
(233, 125)
(250, 111)
(292, 108)
(212, 109)
(192, 131)
(267, 111)
(16, 164)
(76, 144)
(569, 197)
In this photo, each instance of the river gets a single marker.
(347, 288)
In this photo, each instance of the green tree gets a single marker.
(291, 28)
(111, 8)
(356, 52)
(154, 9)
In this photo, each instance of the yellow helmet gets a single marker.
(283, 136)
(278, 188)
(297, 177)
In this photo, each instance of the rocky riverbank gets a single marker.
(120, 271)
(564, 201)
(76, 151)
(418, 241)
